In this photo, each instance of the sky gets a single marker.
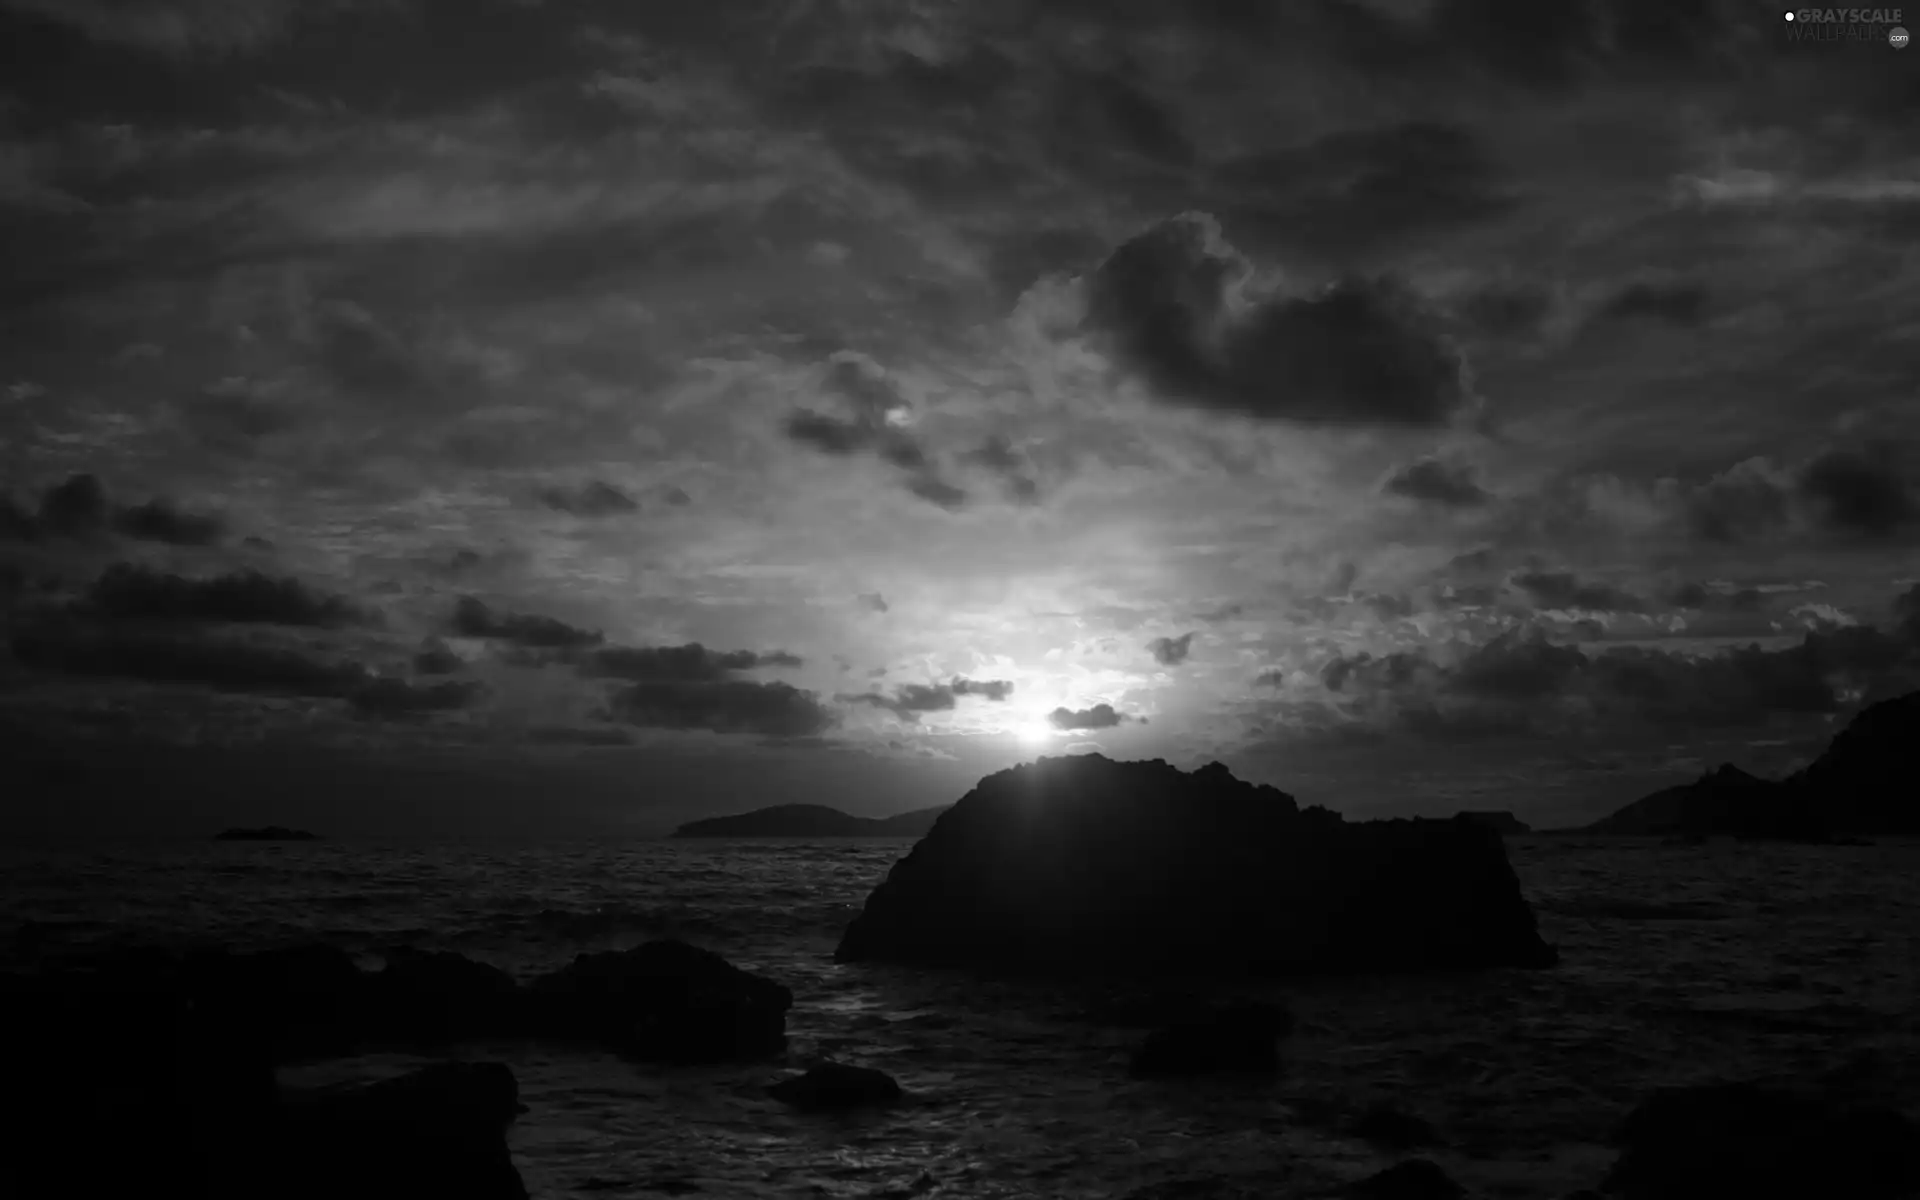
(601, 414)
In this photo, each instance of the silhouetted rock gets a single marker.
(1385, 1125)
(266, 833)
(439, 1131)
(1868, 778)
(1086, 864)
(1726, 801)
(1499, 821)
(1414, 1179)
(1864, 782)
(832, 1085)
(811, 820)
(1761, 1143)
(440, 997)
(305, 1001)
(1238, 1039)
(664, 1001)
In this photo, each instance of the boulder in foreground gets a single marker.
(1237, 1038)
(663, 1001)
(1087, 864)
(1762, 1143)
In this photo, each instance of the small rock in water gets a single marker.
(1236, 1038)
(1389, 1126)
(1414, 1179)
(834, 1085)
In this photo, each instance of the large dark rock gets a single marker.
(834, 1086)
(1499, 820)
(438, 997)
(1762, 1143)
(1237, 1039)
(1086, 864)
(1414, 1179)
(440, 1131)
(305, 1001)
(664, 1001)
(1864, 782)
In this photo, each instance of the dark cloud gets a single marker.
(1434, 482)
(391, 698)
(776, 710)
(592, 499)
(870, 427)
(1361, 352)
(184, 656)
(1860, 493)
(1745, 501)
(1699, 596)
(1676, 302)
(909, 701)
(1100, 716)
(1365, 188)
(691, 663)
(1146, 124)
(473, 618)
(1563, 589)
(997, 455)
(1171, 651)
(435, 658)
(127, 591)
(873, 601)
(578, 735)
(79, 507)
(1906, 613)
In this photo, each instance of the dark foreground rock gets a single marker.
(120, 1083)
(1415, 1179)
(664, 1001)
(438, 998)
(835, 1086)
(1086, 864)
(439, 1131)
(1235, 1039)
(1762, 1143)
(1385, 1125)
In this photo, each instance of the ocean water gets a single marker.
(1681, 964)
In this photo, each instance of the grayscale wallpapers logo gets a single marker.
(1848, 25)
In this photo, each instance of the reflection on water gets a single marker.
(1680, 963)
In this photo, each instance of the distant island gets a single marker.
(1500, 821)
(811, 820)
(1862, 783)
(266, 833)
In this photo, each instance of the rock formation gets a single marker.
(1087, 864)
(1864, 782)
(833, 1086)
(1500, 821)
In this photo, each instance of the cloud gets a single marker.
(183, 656)
(1171, 651)
(435, 658)
(178, 27)
(874, 425)
(1100, 716)
(473, 618)
(595, 498)
(1563, 589)
(997, 456)
(873, 601)
(1431, 481)
(913, 699)
(1861, 493)
(776, 710)
(127, 591)
(1675, 302)
(391, 698)
(577, 735)
(79, 508)
(1360, 352)
(691, 663)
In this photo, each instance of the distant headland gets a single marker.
(1862, 783)
(811, 820)
(266, 833)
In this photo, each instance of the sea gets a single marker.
(1681, 964)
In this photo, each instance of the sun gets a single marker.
(1033, 731)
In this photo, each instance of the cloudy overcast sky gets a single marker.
(1472, 403)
